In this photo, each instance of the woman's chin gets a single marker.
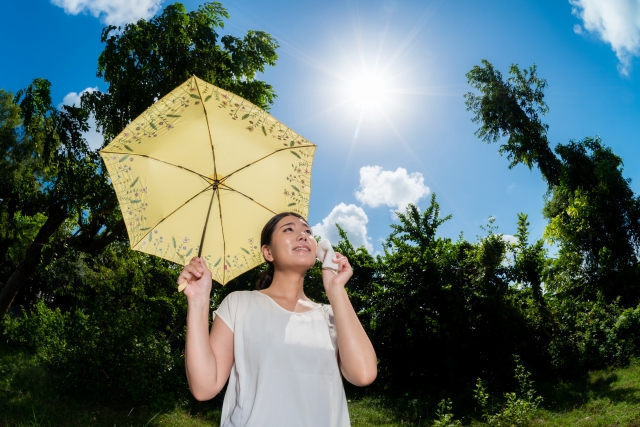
(302, 264)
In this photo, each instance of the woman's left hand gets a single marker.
(332, 280)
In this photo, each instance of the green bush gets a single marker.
(117, 332)
(519, 407)
(445, 415)
(591, 335)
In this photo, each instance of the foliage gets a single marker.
(441, 312)
(144, 61)
(513, 108)
(445, 416)
(50, 173)
(592, 335)
(594, 217)
(29, 397)
(48, 176)
(593, 214)
(120, 300)
(518, 409)
(530, 262)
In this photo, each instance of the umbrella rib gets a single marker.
(224, 242)
(162, 161)
(174, 211)
(206, 116)
(262, 158)
(226, 187)
(206, 222)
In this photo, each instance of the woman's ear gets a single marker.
(266, 253)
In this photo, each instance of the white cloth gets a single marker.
(326, 255)
(285, 372)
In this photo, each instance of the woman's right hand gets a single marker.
(197, 278)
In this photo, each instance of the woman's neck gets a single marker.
(288, 285)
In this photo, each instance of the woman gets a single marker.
(282, 353)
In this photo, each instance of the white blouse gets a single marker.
(286, 369)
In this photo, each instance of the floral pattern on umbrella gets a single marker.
(189, 159)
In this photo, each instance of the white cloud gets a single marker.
(73, 98)
(509, 238)
(94, 139)
(352, 219)
(616, 22)
(394, 189)
(112, 12)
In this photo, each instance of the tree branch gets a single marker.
(31, 259)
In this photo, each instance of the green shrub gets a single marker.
(518, 409)
(114, 330)
(445, 415)
(591, 335)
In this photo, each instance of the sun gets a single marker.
(368, 89)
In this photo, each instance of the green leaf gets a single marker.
(153, 126)
(296, 154)
(292, 204)
(151, 236)
(207, 98)
(194, 96)
(246, 116)
(135, 181)
(174, 242)
(217, 262)
(173, 115)
(245, 250)
(145, 229)
(135, 201)
(291, 144)
(296, 188)
(128, 148)
(188, 252)
(123, 158)
(228, 263)
(264, 130)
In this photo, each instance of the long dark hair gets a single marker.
(265, 279)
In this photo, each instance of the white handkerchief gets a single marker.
(326, 255)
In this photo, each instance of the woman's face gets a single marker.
(292, 245)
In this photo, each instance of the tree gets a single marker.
(595, 218)
(592, 211)
(513, 108)
(439, 310)
(47, 174)
(144, 61)
(51, 172)
(529, 261)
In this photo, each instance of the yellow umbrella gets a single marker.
(201, 171)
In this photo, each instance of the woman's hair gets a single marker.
(266, 277)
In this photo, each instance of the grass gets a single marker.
(610, 397)
(28, 398)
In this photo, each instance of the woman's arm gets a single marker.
(358, 361)
(208, 356)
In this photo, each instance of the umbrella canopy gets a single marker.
(201, 171)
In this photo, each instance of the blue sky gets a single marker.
(407, 59)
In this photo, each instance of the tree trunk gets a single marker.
(31, 259)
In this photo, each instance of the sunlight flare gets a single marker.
(369, 90)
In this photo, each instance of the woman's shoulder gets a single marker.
(237, 296)
(233, 305)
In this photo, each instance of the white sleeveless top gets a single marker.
(285, 372)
